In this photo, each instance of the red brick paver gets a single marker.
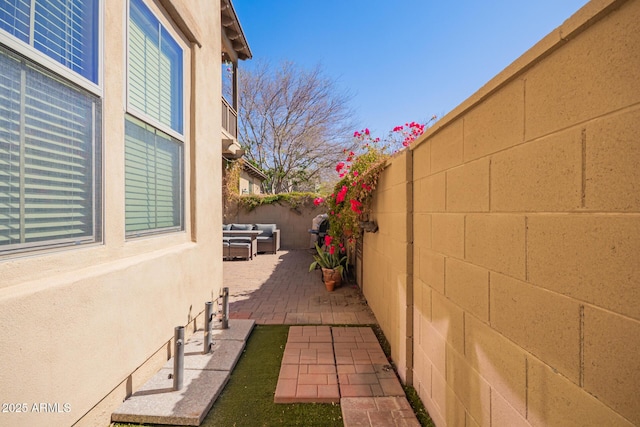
(363, 369)
(322, 364)
(308, 371)
(377, 411)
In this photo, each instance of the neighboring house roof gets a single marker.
(249, 168)
(254, 171)
(233, 30)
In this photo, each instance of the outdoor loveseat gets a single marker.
(246, 240)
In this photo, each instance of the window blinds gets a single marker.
(153, 175)
(65, 30)
(48, 160)
(155, 69)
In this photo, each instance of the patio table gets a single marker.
(252, 234)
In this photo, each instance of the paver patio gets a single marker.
(279, 289)
(320, 363)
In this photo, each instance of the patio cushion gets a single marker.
(226, 227)
(267, 229)
(241, 226)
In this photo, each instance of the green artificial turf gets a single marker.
(247, 399)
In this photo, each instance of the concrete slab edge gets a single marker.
(239, 331)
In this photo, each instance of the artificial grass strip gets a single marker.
(247, 399)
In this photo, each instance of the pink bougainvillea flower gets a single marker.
(356, 134)
(355, 206)
(318, 200)
(355, 173)
(327, 240)
(341, 194)
(398, 128)
(339, 166)
(366, 131)
(332, 250)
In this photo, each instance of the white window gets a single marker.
(50, 128)
(64, 30)
(154, 127)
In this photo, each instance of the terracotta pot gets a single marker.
(331, 278)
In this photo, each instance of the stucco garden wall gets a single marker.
(294, 224)
(524, 289)
(85, 326)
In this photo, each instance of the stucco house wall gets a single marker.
(85, 326)
(250, 184)
(521, 303)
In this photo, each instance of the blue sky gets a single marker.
(401, 60)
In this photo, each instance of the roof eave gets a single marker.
(233, 29)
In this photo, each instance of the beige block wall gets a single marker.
(86, 326)
(387, 258)
(526, 239)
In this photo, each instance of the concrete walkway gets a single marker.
(320, 363)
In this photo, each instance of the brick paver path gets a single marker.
(279, 289)
(320, 363)
(325, 364)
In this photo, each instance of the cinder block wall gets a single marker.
(387, 258)
(526, 239)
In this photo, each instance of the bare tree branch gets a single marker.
(294, 123)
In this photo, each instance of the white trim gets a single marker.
(97, 148)
(132, 109)
(101, 40)
(54, 70)
(51, 64)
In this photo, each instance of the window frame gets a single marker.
(42, 59)
(54, 70)
(138, 115)
(130, 108)
(181, 208)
